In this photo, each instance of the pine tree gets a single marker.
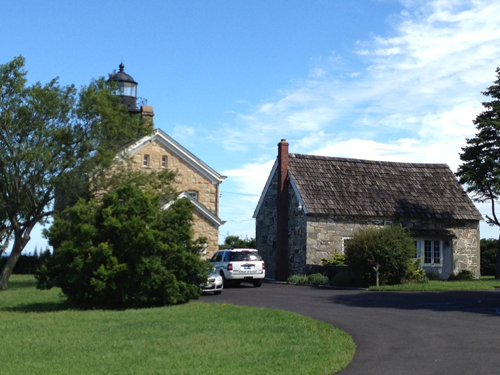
(480, 171)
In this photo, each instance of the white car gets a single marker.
(239, 265)
(214, 283)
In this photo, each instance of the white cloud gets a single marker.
(251, 178)
(414, 101)
(182, 132)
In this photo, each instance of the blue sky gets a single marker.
(228, 79)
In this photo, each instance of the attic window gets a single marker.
(145, 162)
(192, 194)
(164, 162)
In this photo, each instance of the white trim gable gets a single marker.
(199, 207)
(266, 188)
(177, 149)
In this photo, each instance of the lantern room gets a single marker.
(127, 89)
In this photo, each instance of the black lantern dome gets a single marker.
(127, 88)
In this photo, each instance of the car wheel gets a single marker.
(224, 281)
(257, 283)
(218, 292)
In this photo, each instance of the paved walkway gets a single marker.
(396, 333)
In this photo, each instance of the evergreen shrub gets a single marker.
(124, 251)
(317, 279)
(298, 279)
(462, 275)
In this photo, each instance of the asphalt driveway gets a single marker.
(396, 332)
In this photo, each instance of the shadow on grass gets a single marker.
(21, 284)
(39, 307)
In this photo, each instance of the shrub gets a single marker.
(433, 276)
(298, 279)
(345, 279)
(461, 275)
(391, 247)
(415, 273)
(317, 279)
(488, 250)
(124, 251)
(336, 260)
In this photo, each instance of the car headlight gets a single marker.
(219, 278)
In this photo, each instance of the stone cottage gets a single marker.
(311, 205)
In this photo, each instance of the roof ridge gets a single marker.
(366, 161)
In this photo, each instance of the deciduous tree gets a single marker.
(52, 138)
(480, 171)
(235, 242)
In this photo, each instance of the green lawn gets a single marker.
(40, 335)
(485, 283)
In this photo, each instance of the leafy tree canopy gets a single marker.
(52, 138)
(480, 171)
(235, 242)
(488, 256)
(124, 251)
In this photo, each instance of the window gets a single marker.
(192, 194)
(217, 257)
(431, 252)
(244, 257)
(344, 243)
(164, 162)
(145, 162)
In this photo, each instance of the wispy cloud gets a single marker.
(413, 101)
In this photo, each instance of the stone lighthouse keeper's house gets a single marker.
(195, 181)
(312, 204)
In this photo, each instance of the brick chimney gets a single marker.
(282, 213)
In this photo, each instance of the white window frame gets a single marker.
(164, 160)
(434, 245)
(145, 161)
(343, 244)
(193, 194)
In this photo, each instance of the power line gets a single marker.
(232, 192)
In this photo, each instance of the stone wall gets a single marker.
(466, 248)
(266, 228)
(203, 228)
(187, 178)
(325, 235)
(297, 236)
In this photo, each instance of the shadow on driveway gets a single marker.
(479, 302)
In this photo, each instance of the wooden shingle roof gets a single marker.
(340, 186)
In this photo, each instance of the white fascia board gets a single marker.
(178, 149)
(266, 188)
(299, 197)
(199, 207)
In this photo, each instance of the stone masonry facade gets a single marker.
(188, 179)
(312, 238)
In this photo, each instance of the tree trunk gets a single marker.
(19, 245)
(497, 260)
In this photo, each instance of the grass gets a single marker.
(485, 283)
(39, 334)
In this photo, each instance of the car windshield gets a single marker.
(245, 256)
